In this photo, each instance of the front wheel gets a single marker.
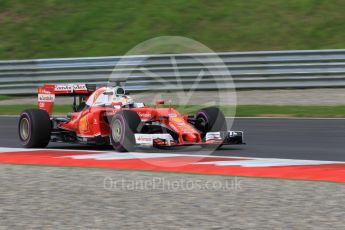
(34, 128)
(123, 127)
(210, 119)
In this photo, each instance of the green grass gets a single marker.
(290, 111)
(273, 110)
(65, 28)
(241, 111)
(16, 109)
(6, 97)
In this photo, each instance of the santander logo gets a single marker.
(70, 87)
(79, 87)
(63, 88)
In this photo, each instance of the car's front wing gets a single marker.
(211, 138)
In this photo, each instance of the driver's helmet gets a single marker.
(119, 98)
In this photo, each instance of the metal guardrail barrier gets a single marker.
(243, 70)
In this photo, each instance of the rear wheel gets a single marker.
(123, 126)
(34, 128)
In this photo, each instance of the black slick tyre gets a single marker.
(34, 128)
(210, 119)
(123, 126)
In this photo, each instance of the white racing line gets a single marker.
(8, 150)
(233, 160)
(268, 162)
(123, 156)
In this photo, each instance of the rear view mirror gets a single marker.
(160, 102)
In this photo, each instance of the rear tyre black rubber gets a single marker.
(34, 128)
(124, 125)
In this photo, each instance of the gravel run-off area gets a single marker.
(33, 197)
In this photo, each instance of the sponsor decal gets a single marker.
(177, 120)
(46, 97)
(79, 87)
(68, 88)
(143, 139)
(43, 91)
(213, 136)
(83, 124)
(145, 115)
(96, 95)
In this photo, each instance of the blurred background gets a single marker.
(312, 79)
(61, 28)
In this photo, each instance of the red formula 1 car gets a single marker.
(108, 115)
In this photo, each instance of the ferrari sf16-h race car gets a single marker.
(108, 115)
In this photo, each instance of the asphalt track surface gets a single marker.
(312, 139)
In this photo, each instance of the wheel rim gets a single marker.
(24, 128)
(116, 131)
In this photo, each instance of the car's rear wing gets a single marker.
(46, 93)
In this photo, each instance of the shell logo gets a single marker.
(97, 93)
(177, 119)
(83, 124)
